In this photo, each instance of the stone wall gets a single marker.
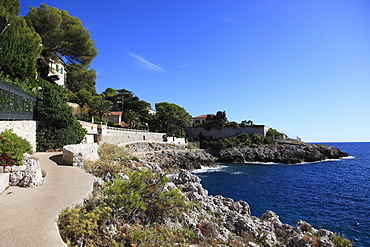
(4, 181)
(76, 154)
(25, 129)
(117, 137)
(227, 132)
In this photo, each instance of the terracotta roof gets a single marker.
(201, 116)
(116, 113)
(149, 108)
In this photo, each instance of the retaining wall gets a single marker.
(25, 129)
(118, 137)
(227, 132)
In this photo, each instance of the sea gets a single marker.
(331, 194)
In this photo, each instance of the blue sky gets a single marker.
(301, 67)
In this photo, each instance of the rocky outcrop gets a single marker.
(286, 153)
(219, 216)
(171, 158)
(77, 153)
(173, 161)
(27, 175)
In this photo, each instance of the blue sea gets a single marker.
(333, 194)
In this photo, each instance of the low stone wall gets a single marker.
(4, 181)
(76, 154)
(25, 129)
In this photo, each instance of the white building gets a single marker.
(58, 69)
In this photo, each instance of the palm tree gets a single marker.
(100, 106)
(132, 118)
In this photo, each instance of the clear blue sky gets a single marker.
(301, 67)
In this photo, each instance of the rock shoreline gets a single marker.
(223, 218)
(172, 158)
(285, 153)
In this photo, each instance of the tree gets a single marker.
(57, 126)
(125, 101)
(171, 119)
(132, 118)
(99, 106)
(217, 121)
(63, 36)
(80, 77)
(19, 45)
(10, 6)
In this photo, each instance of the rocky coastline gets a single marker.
(216, 219)
(235, 217)
(283, 152)
(172, 158)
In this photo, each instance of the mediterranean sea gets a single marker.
(332, 194)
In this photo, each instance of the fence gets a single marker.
(15, 103)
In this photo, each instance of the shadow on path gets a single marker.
(58, 159)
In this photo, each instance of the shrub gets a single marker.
(340, 241)
(257, 139)
(12, 148)
(113, 159)
(141, 198)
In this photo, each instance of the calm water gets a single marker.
(334, 195)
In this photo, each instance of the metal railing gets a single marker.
(15, 103)
(128, 130)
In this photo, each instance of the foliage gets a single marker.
(140, 198)
(20, 46)
(63, 36)
(135, 111)
(171, 119)
(109, 152)
(57, 126)
(217, 121)
(80, 78)
(12, 148)
(113, 160)
(341, 241)
(257, 139)
(99, 106)
(10, 6)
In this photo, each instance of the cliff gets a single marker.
(284, 152)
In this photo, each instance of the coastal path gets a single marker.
(28, 215)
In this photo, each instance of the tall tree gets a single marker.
(171, 119)
(56, 125)
(19, 45)
(80, 77)
(63, 36)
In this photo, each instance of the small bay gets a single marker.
(333, 194)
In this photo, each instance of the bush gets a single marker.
(257, 139)
(139, 200)
(12, 148)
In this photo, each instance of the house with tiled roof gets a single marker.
(200, 119)
(116, 117)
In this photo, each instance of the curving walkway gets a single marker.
(28, 215)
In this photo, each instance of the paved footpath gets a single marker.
(28, 215)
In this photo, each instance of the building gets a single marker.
(116, 117)
(151, 111)
(200, 119)
(57, 70)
